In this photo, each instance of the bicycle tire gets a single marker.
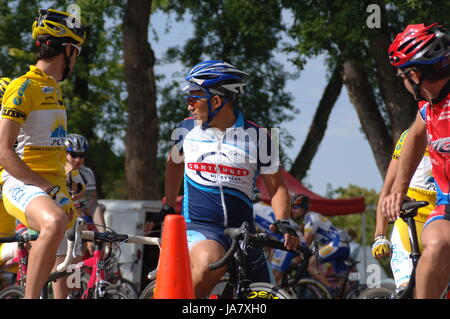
(112, 292)
(264, 290)
(355, 292)
(376, 293)
(148, 291)
(13, 292)
(310, 289)
(129, 288)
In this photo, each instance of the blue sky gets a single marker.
(344, 156)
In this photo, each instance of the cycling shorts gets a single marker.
(401, 263)
(256, 265)
(17, 196)
(440, 212)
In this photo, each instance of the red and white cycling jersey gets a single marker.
(437, 120)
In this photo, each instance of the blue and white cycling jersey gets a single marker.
(221, 168)
(324, 230)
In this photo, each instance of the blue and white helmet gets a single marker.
(76, 143)
(216, 77)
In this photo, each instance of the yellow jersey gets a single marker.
(421, 186)
(34, 100)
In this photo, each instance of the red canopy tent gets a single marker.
(317, 203)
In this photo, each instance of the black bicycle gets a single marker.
(237, 286)
(409, 211)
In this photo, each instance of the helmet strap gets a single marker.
(416, 87)
(211, 113)
(67, 62)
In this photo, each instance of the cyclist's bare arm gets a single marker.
(172, 180)
(281, 203)
(381, 220)
(412, 153)
(9, 130)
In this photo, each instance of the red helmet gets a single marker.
(419, 44)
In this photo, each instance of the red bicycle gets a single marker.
(17, 290)
(97, 286)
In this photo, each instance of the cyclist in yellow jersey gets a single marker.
(33, 113)
(421, 188)
(7, 222)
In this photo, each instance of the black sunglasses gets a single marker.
(75, 155)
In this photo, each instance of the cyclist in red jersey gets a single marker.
(421, 54)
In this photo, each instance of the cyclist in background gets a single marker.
(34, 114)
(421, 188)
(92, 211)
(334, 241)
(217, 151)
(264, 217)
(421, 55)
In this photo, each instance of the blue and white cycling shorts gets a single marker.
(257, 268)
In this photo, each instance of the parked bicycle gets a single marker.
(409, 211)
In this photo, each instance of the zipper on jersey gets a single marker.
(219, 180)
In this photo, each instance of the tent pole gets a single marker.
(364, 264)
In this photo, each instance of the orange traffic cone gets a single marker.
(174, 280)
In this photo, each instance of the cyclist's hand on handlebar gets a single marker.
(158, 218)
(283, 226)
(381, 247)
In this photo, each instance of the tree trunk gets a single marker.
(361, 95)
(318, 127)
(400, 104)
(142, 132)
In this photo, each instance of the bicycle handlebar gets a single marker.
(75, 234)
(255, 240)
(19, 238)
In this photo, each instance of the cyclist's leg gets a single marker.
(433, 269)
(401, 263)
(99, 218)
(204, 249)
(37, 210)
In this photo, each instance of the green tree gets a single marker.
(340, 30)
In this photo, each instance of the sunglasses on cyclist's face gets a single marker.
(297, 206)
(192, 99)
(76, 155)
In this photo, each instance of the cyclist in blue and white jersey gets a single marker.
(264, 218)
(334, 241)
(220, 154)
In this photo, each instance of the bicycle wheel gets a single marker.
(310, 289)
(264, 290)
(12, 292)
(376, 293)
(129, 288)
(355, 292)
(148, 291)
